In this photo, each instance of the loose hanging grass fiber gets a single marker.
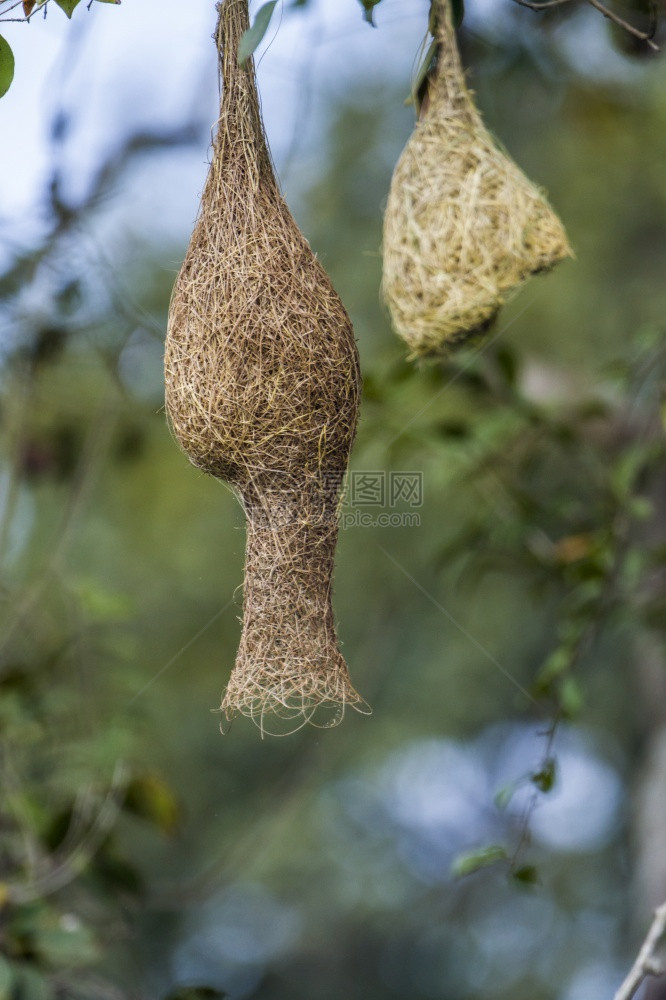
(463, 226)
(262, 390)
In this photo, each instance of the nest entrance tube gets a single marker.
(262, 390)
(463, 227)
(290, 564)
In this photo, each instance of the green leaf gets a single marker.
(526, 874)
(368, 7)
(6, 66)
(253, 36)
(545, 778)
(6, 980)
(149, 797)
(503, 797)
(473, 861)
(557, 663)
(109, 1)
(68, 6)
(424, 69)
(571, 697)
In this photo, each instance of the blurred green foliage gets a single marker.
(142, 855)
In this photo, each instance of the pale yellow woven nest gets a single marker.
(463, 226)
(262, 390)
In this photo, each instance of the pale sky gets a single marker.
(150, 61)
(153, 61)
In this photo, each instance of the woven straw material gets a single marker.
(463, 226)
(262, 390)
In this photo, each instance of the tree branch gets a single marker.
(647, 963)
(644, 36)
(541, 4)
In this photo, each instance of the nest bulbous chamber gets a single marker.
(463, 227)
(262, 390)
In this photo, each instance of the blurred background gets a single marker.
(496, 828)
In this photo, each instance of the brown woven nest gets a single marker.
(463, 226)
(262, 390)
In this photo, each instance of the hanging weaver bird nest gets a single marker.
(463, 226)
(262, 390)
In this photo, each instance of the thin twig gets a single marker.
(525, 822)
(616, 19)
(544, 5)
(643, 36)
(647, 963)
(23, 20)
